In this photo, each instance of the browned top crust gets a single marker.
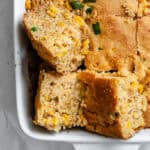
(117, 7)
(116, 44)
(143, 37)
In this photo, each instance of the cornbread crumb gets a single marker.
(58, 101)
(59, 37)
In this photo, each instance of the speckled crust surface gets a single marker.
(110, 104)
(143, 38)
(117, 7)
(117, 44)
(143, 8)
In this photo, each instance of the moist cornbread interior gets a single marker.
(59, 101)
(61, 37)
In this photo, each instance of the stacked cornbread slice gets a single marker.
(97, 76)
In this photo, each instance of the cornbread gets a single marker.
(59, 36)
(58, 101)
(143, 38)
(116, 44)
(144, 8)
(108, 38)
(117, 7)
(114, 104)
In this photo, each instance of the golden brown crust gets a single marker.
(105, 102)
(117, 44)
(102, 96)
(144, 8)
(143, 37)
(117, 7)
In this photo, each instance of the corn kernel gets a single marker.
(134, 85)
(86, 44)
(52, 11)
(54, 121)
(62, 53)
(141, 88)
(47, 98)
(128, 124)
(43, 38)
(51, 112)
(28, 4)
(79, 20)
(61, 24)
(84, 52)
(66, 119)
(66, 15)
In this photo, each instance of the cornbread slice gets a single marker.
(144, 8)
(58, 101)
(117, 7)
(114, 104)
(60, 37)
(116, 44)
(143, 38)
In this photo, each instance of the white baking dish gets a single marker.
(23, 103)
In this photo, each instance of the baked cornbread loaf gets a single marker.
(144, 8)
(112, 38)
(114, 104)
(58, 101)
(60, 37)
(143, 38)
(116, 44)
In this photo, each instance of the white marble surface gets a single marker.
(11, 137)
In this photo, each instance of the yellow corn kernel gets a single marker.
(86, 44)
(66, 119)
(134, 85)
(43, 38)
(62, 53)
(61, 24)
(47, 98)
(28, 4)
(84, 52)
(51, 112)
(128, 124)
(67, 5)
(52, 11)
(54, 121)
(141, 88)
(66, 15)
(79, 20)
